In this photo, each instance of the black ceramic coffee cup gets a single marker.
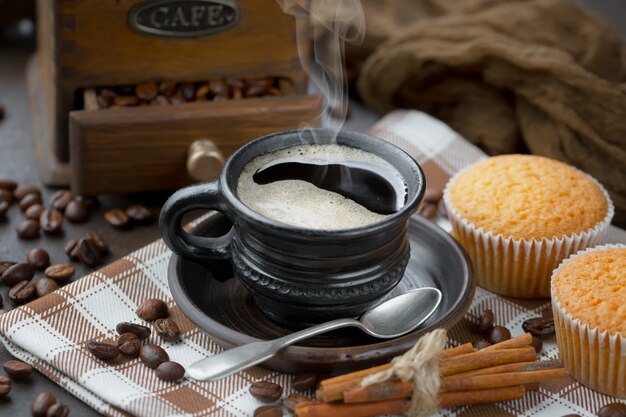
(300, 276)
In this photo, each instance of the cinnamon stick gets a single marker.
(332, 389)
(458, 398)
(350, 410)
(485, 359)
(459, 350)
(516, 342)
(515, 367)
(478, 382)
(388, 390)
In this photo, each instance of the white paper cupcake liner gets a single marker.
(520, 267)
(594, 358)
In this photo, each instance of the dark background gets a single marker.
(17, 162)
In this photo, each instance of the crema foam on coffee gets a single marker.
(295, 186)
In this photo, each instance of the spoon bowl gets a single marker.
(401, 314)
(391, 318)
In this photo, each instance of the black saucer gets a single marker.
(219, 304)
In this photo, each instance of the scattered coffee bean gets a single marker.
(34, 212)
(129, 344)
(572, 415)
(170, 371)
(41, 403)
(17, 370)
(21, 191)
(28, 229)
(142, 332)
(266, 391)
(139, 214)
(541, 327)
(304, 382)
(17, 273)
(294, 399)
(99, 243)
(537, 344)
(117, 218)
(481, 344)
(88, 253)
(485, 324)
(91, 202)
(76, 212)
(6, 196)
(22, 292)
(45, 286)
(147, 90)
(61, 273)
(5, 386)
(60, 199)
(4, 208)
(152, 309)
(51, 221)
(1, 301)
(102, 350)
(29, 200)
(167, 329)
(4, 265)
(38, 258)
(268, 411)
(152, 355)
(71, 249)
(7, 184)
(498, 334)
(58, 410)
(613, 410)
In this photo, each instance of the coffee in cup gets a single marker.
(322, 186)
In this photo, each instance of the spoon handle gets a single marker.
(242, 357)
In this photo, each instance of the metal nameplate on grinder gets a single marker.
(184, 19)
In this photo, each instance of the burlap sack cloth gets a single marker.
(542, 76)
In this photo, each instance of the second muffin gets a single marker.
(519, 216)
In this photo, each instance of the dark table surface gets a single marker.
(17, 162)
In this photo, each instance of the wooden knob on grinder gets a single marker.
(204, 160)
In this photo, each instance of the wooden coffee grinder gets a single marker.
(87, 140)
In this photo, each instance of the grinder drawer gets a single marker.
(123, 150)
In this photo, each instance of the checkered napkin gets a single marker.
(51, 332)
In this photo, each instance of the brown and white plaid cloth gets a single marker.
(51, 332)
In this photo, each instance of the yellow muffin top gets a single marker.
(527, 196)
(592, 288)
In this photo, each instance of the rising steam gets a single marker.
(332, 23)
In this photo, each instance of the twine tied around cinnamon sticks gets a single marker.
(419, 365)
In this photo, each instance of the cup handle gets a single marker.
(199, 196)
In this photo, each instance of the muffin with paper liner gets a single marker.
(589, 303)
(519, 216)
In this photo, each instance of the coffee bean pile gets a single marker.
(430, 204)
(131, 338)
(493, 334)
(270, 392)
(135, 215)
(172, 92)
(37, 216)
(44, 404)
(17, 276)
